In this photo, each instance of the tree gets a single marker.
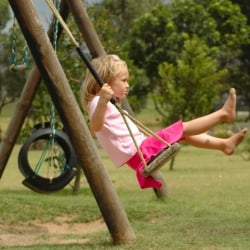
(160, 35)
(4, 13)
(243, 74)
(236, 47)
(11, 83)
(189, 87)
(120, 14)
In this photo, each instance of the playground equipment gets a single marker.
(57, 159)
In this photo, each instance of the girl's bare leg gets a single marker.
(227, 145)
(204, 123)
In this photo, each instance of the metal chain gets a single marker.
(55, 37)
(14, 42)
(18, 67)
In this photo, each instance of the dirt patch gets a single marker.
(35, 233)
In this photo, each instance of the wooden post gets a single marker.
(96, 49)
(86, 28)
(71, 116)
(18, 117)
(24, 103)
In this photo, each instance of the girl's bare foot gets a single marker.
(233, 141)
(229, 107)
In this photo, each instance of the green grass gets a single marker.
(208, 207)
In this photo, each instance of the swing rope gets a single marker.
(14, 67)
(145, 129)
(161, 159)
(131, 135)
(43, 157)
(163, 156)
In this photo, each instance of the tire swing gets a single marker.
(57, 162)
(55, 168)
(167, 153)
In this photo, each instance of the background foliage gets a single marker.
(162, 36)
(158, 41)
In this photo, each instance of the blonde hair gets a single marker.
(108, 68)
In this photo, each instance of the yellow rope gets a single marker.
(131, 135)
(145, 129)
(61, 21)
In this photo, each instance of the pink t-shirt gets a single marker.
(114, 136)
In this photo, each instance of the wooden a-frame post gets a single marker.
(71, 116)
(24, 102)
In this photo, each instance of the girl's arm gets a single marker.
(98, 116)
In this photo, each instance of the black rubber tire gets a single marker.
(41, 184)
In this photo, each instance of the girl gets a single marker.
(107, 124)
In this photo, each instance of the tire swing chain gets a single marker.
(160, 159)
(42, 158)
(52, 108)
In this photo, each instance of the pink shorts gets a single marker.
(150, 147)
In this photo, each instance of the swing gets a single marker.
(170, 149)
(160, 159)
(57, 160)
(14, 67)
(54, 169)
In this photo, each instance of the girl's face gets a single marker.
(120, 84)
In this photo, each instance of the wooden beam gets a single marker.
(86, 28)
(24, 102)
(72, 118)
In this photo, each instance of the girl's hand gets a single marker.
(106, 92)
(97, 121)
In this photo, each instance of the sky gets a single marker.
(45, 12)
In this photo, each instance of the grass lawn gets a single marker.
(208, 208)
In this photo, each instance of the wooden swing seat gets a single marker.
(161, 159)
(19, 67)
